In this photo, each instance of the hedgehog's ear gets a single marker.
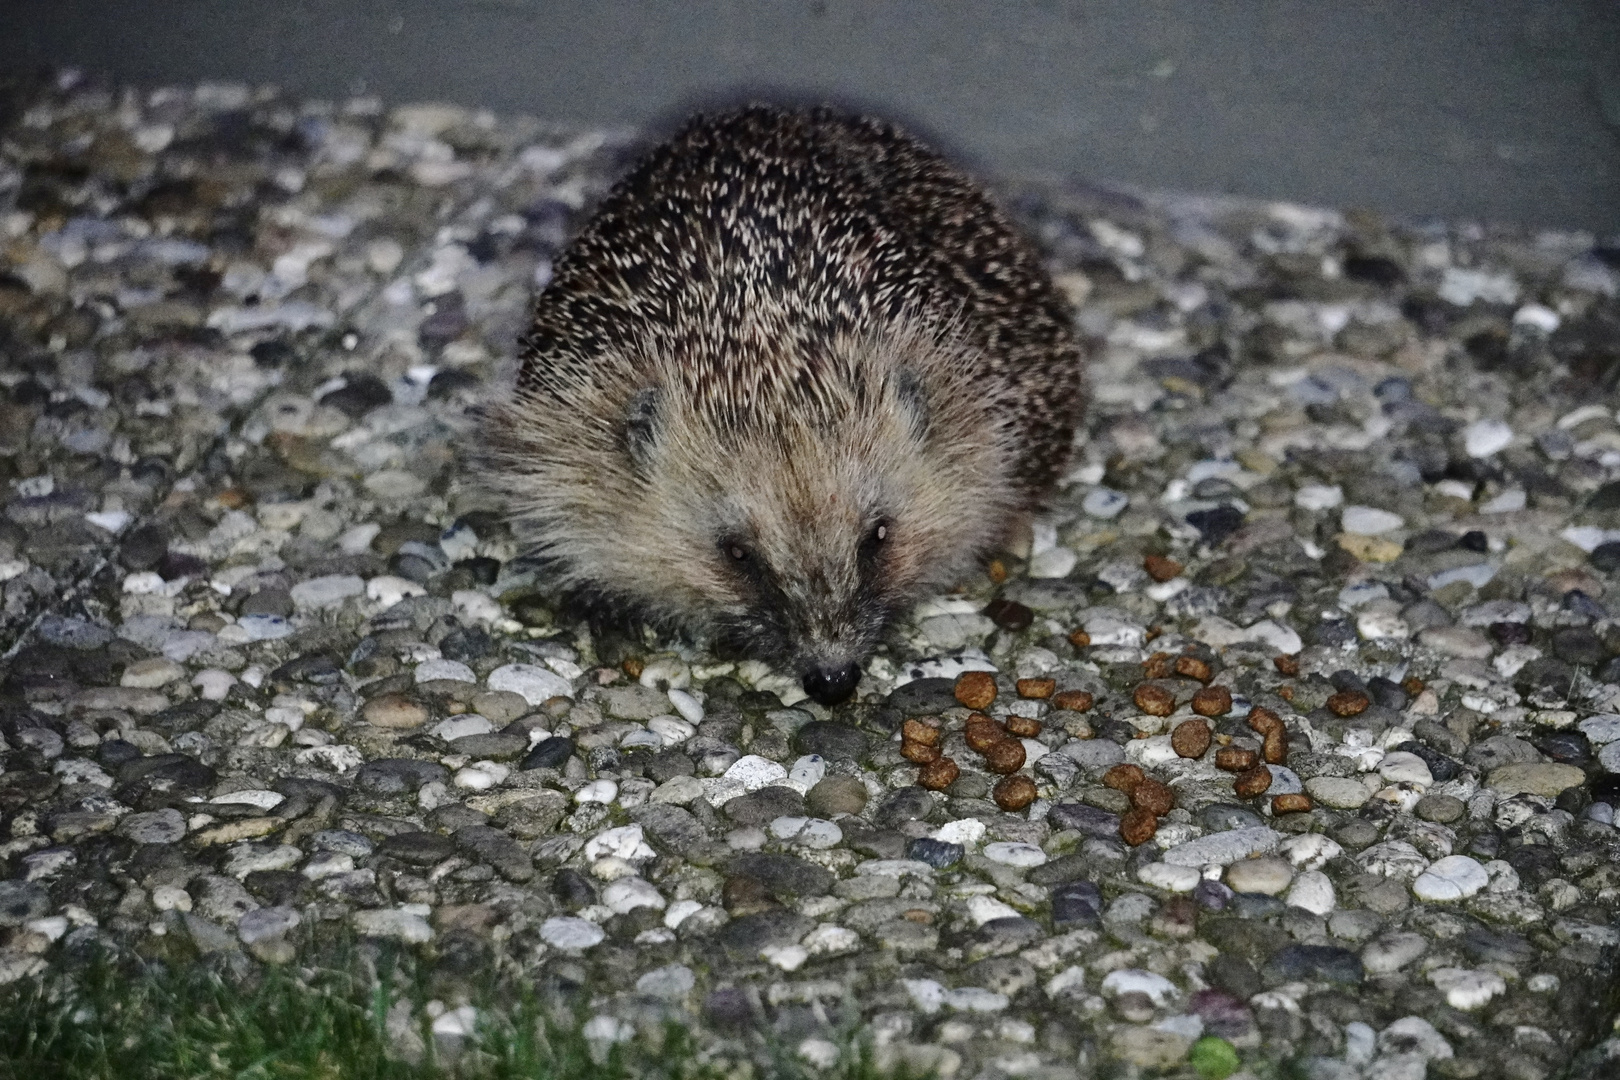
(641, 427)
(913, 399)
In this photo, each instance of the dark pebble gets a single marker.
(1565, 747)
(833, 741)
(1235, 975)
(143, 547)
(784, 875)
(1606, 789)
(467, 643)
(395, 776)
(361, 393)
(279, 888)
(492, 846)
(1349, 681)
(1327, 963)
(21, 901)
(1535, 863)
(765, 805)
(1440, 766)
(1510, 633)
(1090, 820)
(939, 854)
(1009, 614)
(269, 601)
(1375, 270)
(1212, 895)
(1475, 541)
(901, 806)
(1216, 524)
(482, 569)
(573, 889)
(316, 669)
(1579, 646)
(1606, 557)
(417, 848)
(177, 772)
(1255, 906)
(272, 354)
(751, 933)
(114, 754)
(1497, 946)
(549, 753)
(923, 697)
(1063, 869)
(1076, 902)
(729, 1008)
(1388, 693)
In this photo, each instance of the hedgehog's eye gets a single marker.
(881, 533)
(875, 538)
(736, 551)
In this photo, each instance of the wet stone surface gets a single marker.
(274, 675)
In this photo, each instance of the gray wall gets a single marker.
(1468, 109)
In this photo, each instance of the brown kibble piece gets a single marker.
(1009, 615)
(1193, 667)
(633, 666)
(1160, 568)
(1252, 782)
(1236, 758)
(1154, 797)
(1287, 664)
(982, 733)
(997, 571)
(1158, 666)
(1275, 747)
(1080, 639)
(1014, 793)
(1137, 826)
(1036, 689)
(1348, 703)
(1212, 701)
(1074, 701)
(1297, 803)
(976, 689)
(920, 753)
(1263, 720)
(1286, 693)
(1124, 778)
(1154, 700)
(938, 775)
(1412, 685)
(1023, 727)
(1190, 739)
(920, 731)
(1006, 756)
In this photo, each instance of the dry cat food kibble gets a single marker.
(1193, 667)
(920, 731)
(1014, 793)
(1287, 665)
(1252, 782)
(1190, 739)
(1236, 758)
(1275, 747)
(975, 689)
(1006, 756)
(1074, 701)
(1154, 797)
(1158, 666)
(938, 775)
(1294, 803)
(1079, 639)
(1212, 701)
(1137, 826)
(1022, 726)
(981, 733)
(1154, 700)
(1124, 778)
(1160, 568)
(1036, 689)
(1348, 703)
(919, 752)
(1263, 720)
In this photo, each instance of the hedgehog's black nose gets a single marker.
(828, 684)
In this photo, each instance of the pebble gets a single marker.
(1158, 989)
(1455, 877)
(1483, 438)
(395, 711)
(1400, 767)
(629, 893)
(1010, 853)
(151, 674)
(1313, 891)
(1369, 520)
(405, 926)
(1267, 876)
(1177, 879)
(1223, 848)
(1538, 778)
(535, 684)
(1105, 503)
(1340, 793)
(446, 670)
(1466, 989)
(571, 934)
(319, 593)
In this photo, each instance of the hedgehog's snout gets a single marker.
(829, 684)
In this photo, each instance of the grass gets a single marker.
(135, 1020)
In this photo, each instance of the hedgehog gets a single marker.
(796, 372)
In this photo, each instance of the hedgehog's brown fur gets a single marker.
(782, 331)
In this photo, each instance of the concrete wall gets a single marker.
(1466, 109)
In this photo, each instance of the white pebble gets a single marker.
(820, 1054)
(1309, 851)
(213, 684)
(171, 898)
(389, 590)
(753, 772)
(813, 833)
(535, 684)
(570, 933)
(1369, 520)
(624, 842)
(1105, 503)
(830, 939)
(1013, 853)
(806, 773)
(786, 957)
(476, 605)
(1055, 563)
(1455, 877)
(687, 705)
(1403, 767)
(479, 777)
(1483, 438)
(1178, 879)
(597, 791)
(976, 999)
(1318, 497)
(1466, 989)
(1159, 989)
(671, 730)
(325, 592)
(1542, 318)
(628, 894)
(452, 670)
(982, 909)
(459, 726)
(965, 831)
(259, 798)
(667, 674)
(1314, 892)
(680, 911)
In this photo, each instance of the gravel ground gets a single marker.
(1330, 571)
